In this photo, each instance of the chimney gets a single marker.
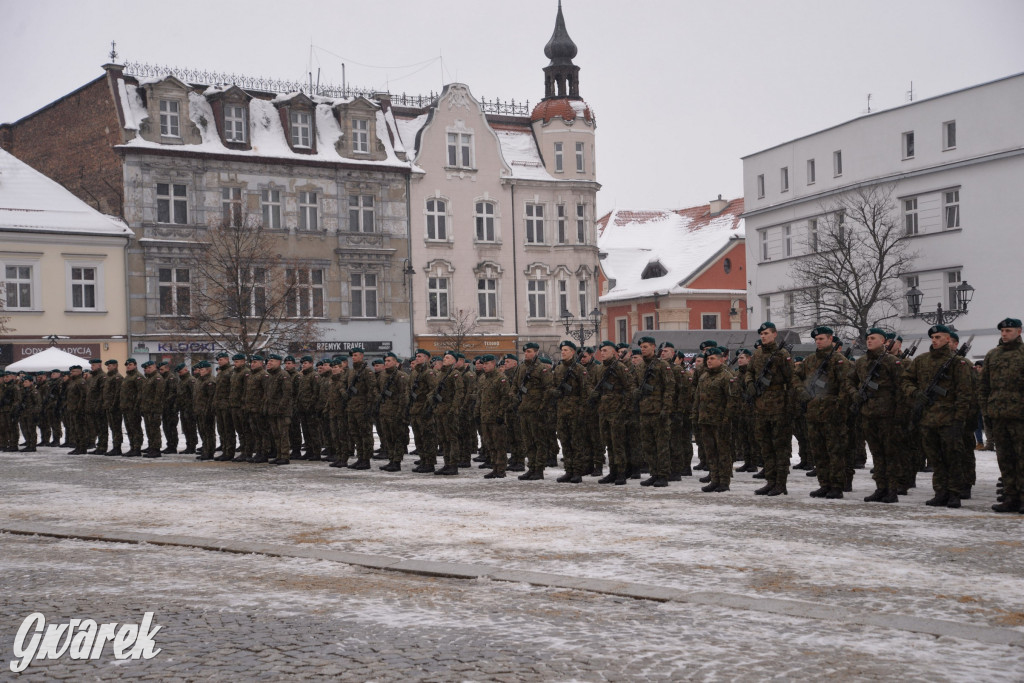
(718, 205)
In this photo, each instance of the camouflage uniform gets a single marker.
(680, 444)
(655, 398)
(337, 402)
(222, 404)
(77, 406)
(743, 426)
(532, 380)
(467, 417)
(252, 402)
(716, 392)
(53, 409)
(169, 409)
(28, 415)
(571, 389)
(1001, 397)
(824, 396)
(131, 409)
(112, 408)
(393, 412)
(614, 388)
(277, 409)
(97, 416)
(151, 402)
(772, 413)
(204, 392)
(447, 397)
(230, 414)
(421, 386)
(877, 411)
(307, 395)
(185, 402)
(362, 396)
(493, 390)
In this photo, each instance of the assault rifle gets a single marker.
(523, 390)
(385, 393)
(909, 352)
(645, 389)
(933, 390)
(764, 378)
(435, 397)
(869, 382)
(564, 389)
(818, 380)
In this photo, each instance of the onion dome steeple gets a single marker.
(561, 76)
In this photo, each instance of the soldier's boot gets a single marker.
(635, 471)
(660, 482)
(875, 497)
(707, 489)
(649, 481)
(687, 472)
(390, 467)
(280, 461)
(99, 450)
(820, 492)
(587, 470)
(722, 488)
(764, 490)
(812, 472)
(953, 501)
(259, 459)
(1008, 505)
(360, 464)
(596, 471)
(700, 466)
(114, 450)
(940, 499)
(170, 450)
(480, 458)
(966, 493)
(621, 475)
(780, 490)
(834, 493)
(674, 477)
(610, 477)
(576, 479)
(891, 496)
(552, 461)
(494, 475)
(419, 469)
(565, 478)
(759, 474)
(705, 479)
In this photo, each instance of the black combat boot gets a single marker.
(1009, 505)
(760, 474)
(812, 472)
(705, 479)
(170, 451)
(576, 479)
(620, 478)
(966, 493)
(596, 472)
(834, 493)
(526, 476)
(891, 496)
(660, 482)
(709, 488)
(778, 490)
(953, 501)
(764, 490)
(565, 478)
(940, 499)
(649, 481)
(608, 478)
(820, 492)
(875, 497)
(722, 488)
(419, 469)
(280, 461)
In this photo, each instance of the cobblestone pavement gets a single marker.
(241, 617)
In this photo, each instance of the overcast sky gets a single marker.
(681, 88)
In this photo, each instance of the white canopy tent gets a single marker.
(51, 358)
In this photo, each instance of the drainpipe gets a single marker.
(128, 297)
(408, 237)
(515, 268)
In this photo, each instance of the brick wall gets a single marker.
(71, 141)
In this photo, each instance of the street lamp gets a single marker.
(964, 295)
(582, 333)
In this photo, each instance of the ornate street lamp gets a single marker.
(582, 333)
(964, 295)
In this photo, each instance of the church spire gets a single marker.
(561, 76)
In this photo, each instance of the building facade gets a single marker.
(954, 163)
(63, 266)
(681, 269)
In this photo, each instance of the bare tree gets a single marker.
(246, 296)
(852, 278)
(453, 336)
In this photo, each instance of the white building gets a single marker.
(957, 164)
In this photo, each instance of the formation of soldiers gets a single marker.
(643, 408)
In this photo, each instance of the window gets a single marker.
(784, 179)
(364, 295)
(787, 239)
(951, 209)
(308, 218)
(175, 289)
(360, 136)
(460, 150)
(257, 283)
(437, 226)
(709, 321)
(652, 270)
(360, 213)
(910, 215)
(764, 244)
(437, 297)
(952, 282)
(171, 203)
(766, 306)
(302, 129)
(487, 297)
(840, 217)
(83, 288)
(949, 135)
(235, 127)
(558, 157)
(270, 202)
(563, 297)
(580, 165)
(790, 310)
(534, 223)
(537, 294)
(812, 235)
(231, 205)
(648, 322)
(583, 298)
(19, 287)
(485, 221)
(307, 295)
(810, 172)
(560, 211)
(169, 118)
(727, 266)
(581, 223)
(623, 330)
(837, 163)
(908, 145)
(760, 186)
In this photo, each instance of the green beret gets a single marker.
(743, 352)
(588, 349)
(237, 356)
(132, 361)
(622, 345)
(636, 351)
(357, 349)
(822, 329)
(423, 352)
(767, 325)
(608, 342)
(377, 361)
(451, 353)
(145, 365)
(647, 340)
(334, 362)
(667, 345)
(111, 362)
(899, 338)
(512, 356)
(306, 359)
(531, 345)
(937, 329)
(566, 342)
(1008, 322)
(54, 370)
(256, 357)
(289, 358)
(179, 367)
(203, 364)
(715, 351)
(274, 356)
(341, 356)
(95, 360)
(163, 363)
(487, 358)
(459, 356)
(222, 354)
(708, 344)
(880, 331)
(545, 359)
(435, 359)
(798, 359)
(954, 335)
(392, 354)
(321, 363)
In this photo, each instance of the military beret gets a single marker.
(392, 354)
(163, 363)
(680, 354)
(274, 356)
(451, 353)
(306, 359)
(668, 345)
(237, 356)
(341, 356)
(256, 357)
(459, 356)
(423, 352)
(636, 351)
(377, 361)
(111, 362)
(221, 354)
(767, 325)
(608, 342)
(1008, 322)
(511, 356)
(822, 329)
(289, 358)
(132, 361)
(622, 345)
(179, 367)
(937, 329)
(979, 363)
(545, 359)
(478, 359)
(715, 351)
(798, 359)
(334, 362)
(837, 341)
(588, 349)
(145, 365)
(954, 335)
(647, 340)
(899, 338)
(95, 360)
(357, 349)
(880, 331)
(321, 363)
(743, 352)
(531, 345)
(435, 359)
(570, 344)
(708, 344)
(758, 344)
(486, 358)
(54, 370)
(203, 364)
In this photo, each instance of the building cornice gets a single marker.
(125, 150)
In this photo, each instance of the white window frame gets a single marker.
(948, 135)
(361, 136)
(438, 298)
(581, 162)
(837, 163)
(364, 295)
(812, 235)
(790, 309)
(559, 158)
(714, 316)
(270, 207)
(361, 210)
(581, 224)
(301, 129)
(174, 201)
(811, 172)
(236, 127)
(231, 205)
(259, 285)
(561, 232)
(484, 219)
(908, 145)
(537, 298)
(487, 298)
(787, 240)
(911, 216)
(760, 186)
(32, 281)
(73, 268)
(563, 297)
(910, 282)
(460, 149)
(784, 179)
(309, 293)
(951, 202)
(170, 118)
(309, 210)
(648, 323)
(952, 280)
(622, 329)
(582, 291)
(173, 286)
(534, 223)
(764, 244)
(435, 210)
(766, 306)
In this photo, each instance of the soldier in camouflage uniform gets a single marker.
(571, 391)
(769, 382)
(169, 409)
(222, 404)
(820, 383)
(184, 402)
(699, 367)
(28, 413)
(277, 410)
(53, 408)
(362, 396)
(614, 388)
(873, 386)
(655, 399)
(446, 399)
(421, 385)
(337, 406)
(393, 411)
(1001, 395)
(742, 420)
(131, 410)
(112, 406)
(229, 413)
(967, 457)
(295, 422)
(943, 413)
(493, 387)
(592, 447)
(252, 403)
(307, 396)
(530, 384)
(204, 397)
(322, 421)
(96, 416)
(151, 403)
(467, 413)
(716, 394)
(77, 401)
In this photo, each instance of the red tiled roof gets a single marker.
(699, 216)
(558, 108)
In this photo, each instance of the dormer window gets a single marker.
(235, 123)
(169, 118)
(302, 129)
(653, 269)
(360, 136)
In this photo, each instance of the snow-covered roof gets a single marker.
(681, 241)
(266, 134)
(31, 202)
(519, 148)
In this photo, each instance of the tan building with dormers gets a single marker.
(502, 217)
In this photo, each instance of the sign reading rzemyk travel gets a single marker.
(342, 346)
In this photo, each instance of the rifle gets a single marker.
(565, 388)
(909, 353)
(933, 390)
(818, 380)
(385, 393)
(645, 389)
(869, 381)
(522, 385)
(435, 397)
(733, 362)
(764, 379)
